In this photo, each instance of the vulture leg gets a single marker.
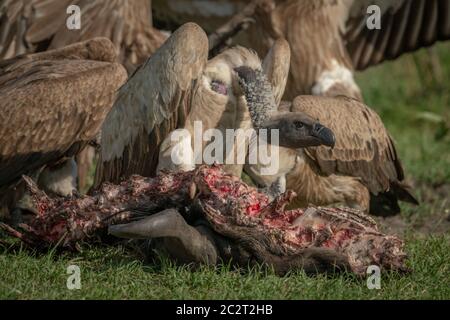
(185, 243)
(60, 179)
(176, 153)
(85, 159)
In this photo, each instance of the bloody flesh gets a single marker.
(233, 209)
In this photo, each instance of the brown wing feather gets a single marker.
(12, 15)
(97, 49)
(406, 25)
(50, 109)
(26, 24)
(154, 102)
(363, 146)
(36, 25)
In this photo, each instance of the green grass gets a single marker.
(401, 95)
(112, 273)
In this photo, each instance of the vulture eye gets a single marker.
(298, 124)
(219, 87)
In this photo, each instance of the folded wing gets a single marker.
(154, 102)
(52, 106)
(363, 146)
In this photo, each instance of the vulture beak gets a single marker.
(296, 129)
(324, 134)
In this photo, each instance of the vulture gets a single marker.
(28, 26)
(159, 98)
(362, 170)
(152, 125)
(52, 104)
(329, 38)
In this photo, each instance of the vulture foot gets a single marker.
(61, 179)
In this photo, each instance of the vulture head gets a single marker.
(217, 100)
(296, 129)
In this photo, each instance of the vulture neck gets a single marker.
(259, 96)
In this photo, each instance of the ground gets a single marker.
(414, 104)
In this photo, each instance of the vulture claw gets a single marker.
(185, 243)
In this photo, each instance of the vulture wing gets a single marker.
(154, 102)
(406, 25)
(35, 25)
(26, 24)
(51, 107)
(363, 146)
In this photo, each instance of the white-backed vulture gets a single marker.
(329, 38)
(175, 88)
(51, 105)
(362, 166)
(160, 98)
(28, 26)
